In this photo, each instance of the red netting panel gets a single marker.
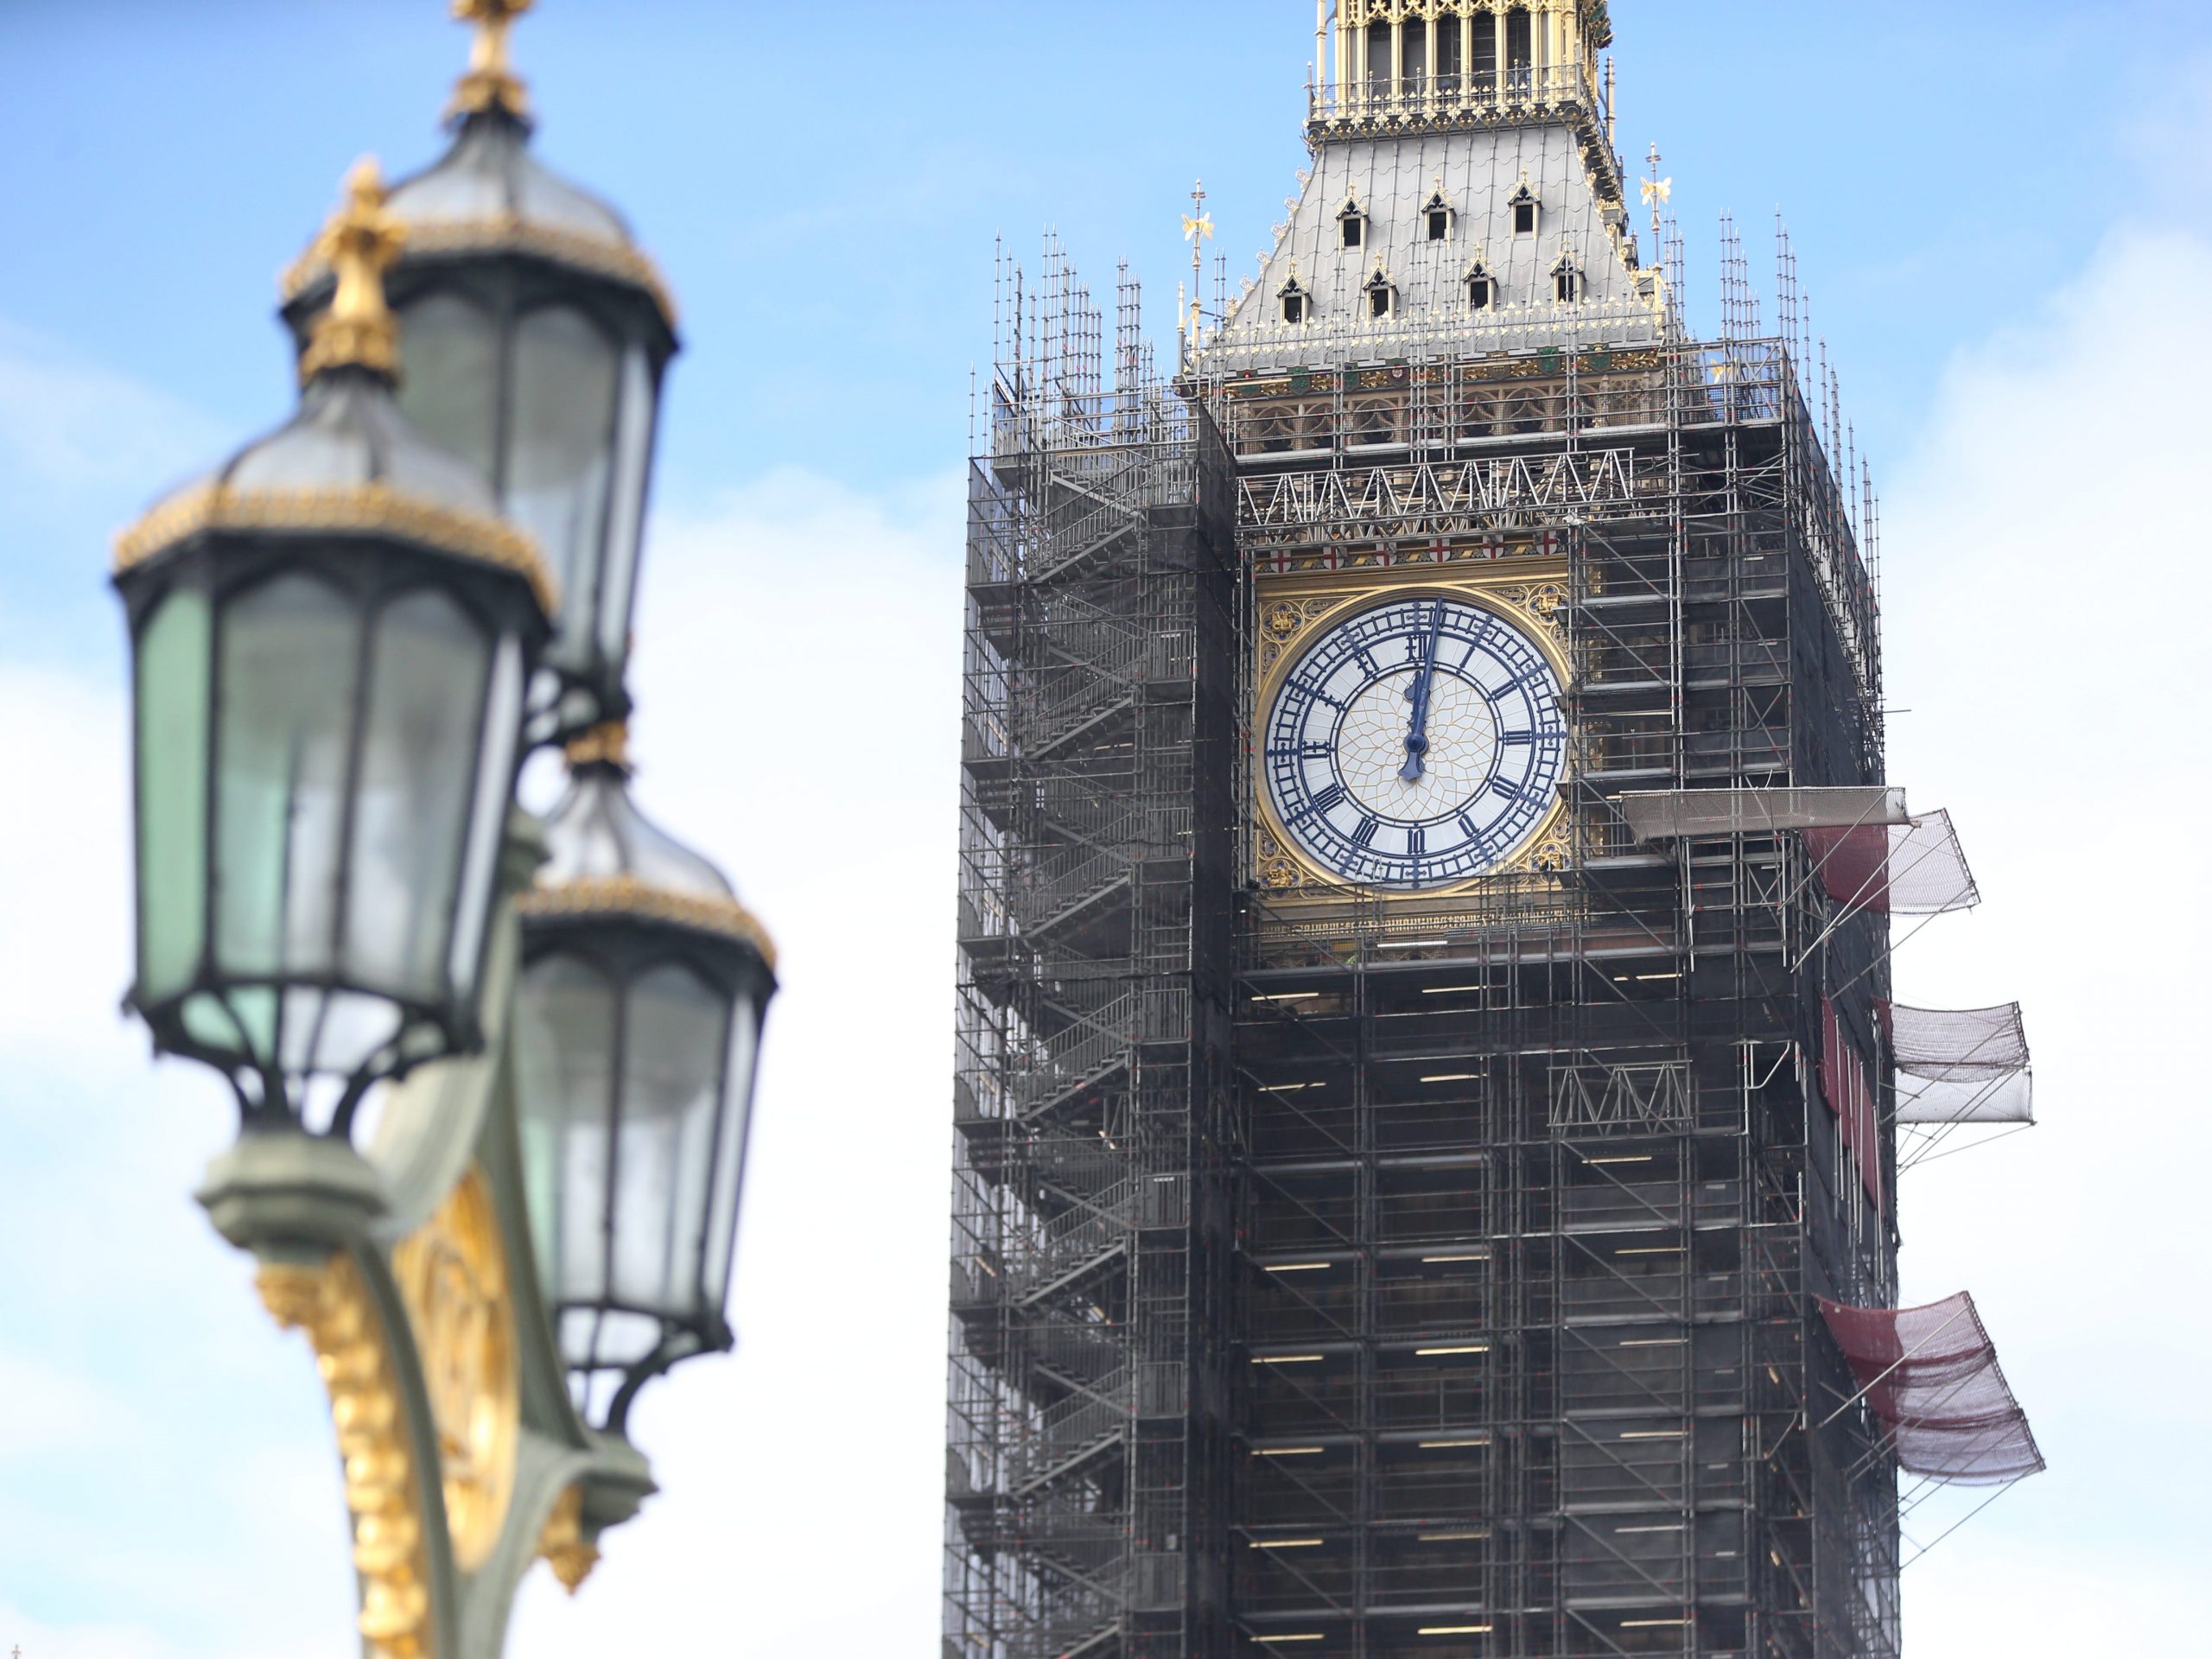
(1900, 869)
(1931, 1374)
(1968, 1065)
(1843, 1084)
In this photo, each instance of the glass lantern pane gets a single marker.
(673, 1044)
(632, 460)
(291, 658)
(448, 350)
(333, 1031)
(735, 1132)
(495, 789)
(564, 1050)
(174, 689)
(559, 451)
(411, 809)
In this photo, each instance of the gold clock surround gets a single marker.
(1291, 612)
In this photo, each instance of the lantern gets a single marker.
(535, 335)
(332, 637)
(644, 984)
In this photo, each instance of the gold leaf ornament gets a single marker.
(453, 1278)
(330, 1304)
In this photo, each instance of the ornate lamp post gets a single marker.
(494, 1116)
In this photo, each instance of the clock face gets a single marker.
(1416, 744)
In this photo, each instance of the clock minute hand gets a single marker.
(1417, 693)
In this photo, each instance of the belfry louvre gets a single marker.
(1357, 1252)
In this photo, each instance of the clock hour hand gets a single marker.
(1417, 694)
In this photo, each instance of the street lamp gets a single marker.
(538, 334)
(343, 640)
(645, 984)
(331, 636)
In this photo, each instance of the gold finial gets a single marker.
(491, 83)
(606, 744)
(1658, 193)
(358, 244)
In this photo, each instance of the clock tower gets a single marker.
(1395, 1184)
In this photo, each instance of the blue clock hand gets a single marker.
(1417, 693)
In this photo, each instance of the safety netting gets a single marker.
(1930, 1376)
(1967, 1065)
(1913, 868)
(1844, 1087)
(1680, 814)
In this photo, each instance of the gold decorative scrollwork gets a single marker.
(331, 1303)
(453, 1277)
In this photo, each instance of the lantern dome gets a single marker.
(604, 857)
(346, 448)
(490, 194)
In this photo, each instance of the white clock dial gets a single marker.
(1416, 744)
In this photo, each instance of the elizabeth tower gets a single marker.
(1392, 1196)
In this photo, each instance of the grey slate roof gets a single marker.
(1393, 179)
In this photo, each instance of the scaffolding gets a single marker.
(1090, 1254)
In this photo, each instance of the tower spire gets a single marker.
(359, 245)
(491, 83)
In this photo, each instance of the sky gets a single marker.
(1999, 210)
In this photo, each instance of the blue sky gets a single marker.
(1998, 210)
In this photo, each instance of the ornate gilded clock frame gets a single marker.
(412, 1272)
(1290, 610)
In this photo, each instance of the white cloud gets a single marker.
(798, 675)
(65, 906)
(799, 689)
(2049, 566)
